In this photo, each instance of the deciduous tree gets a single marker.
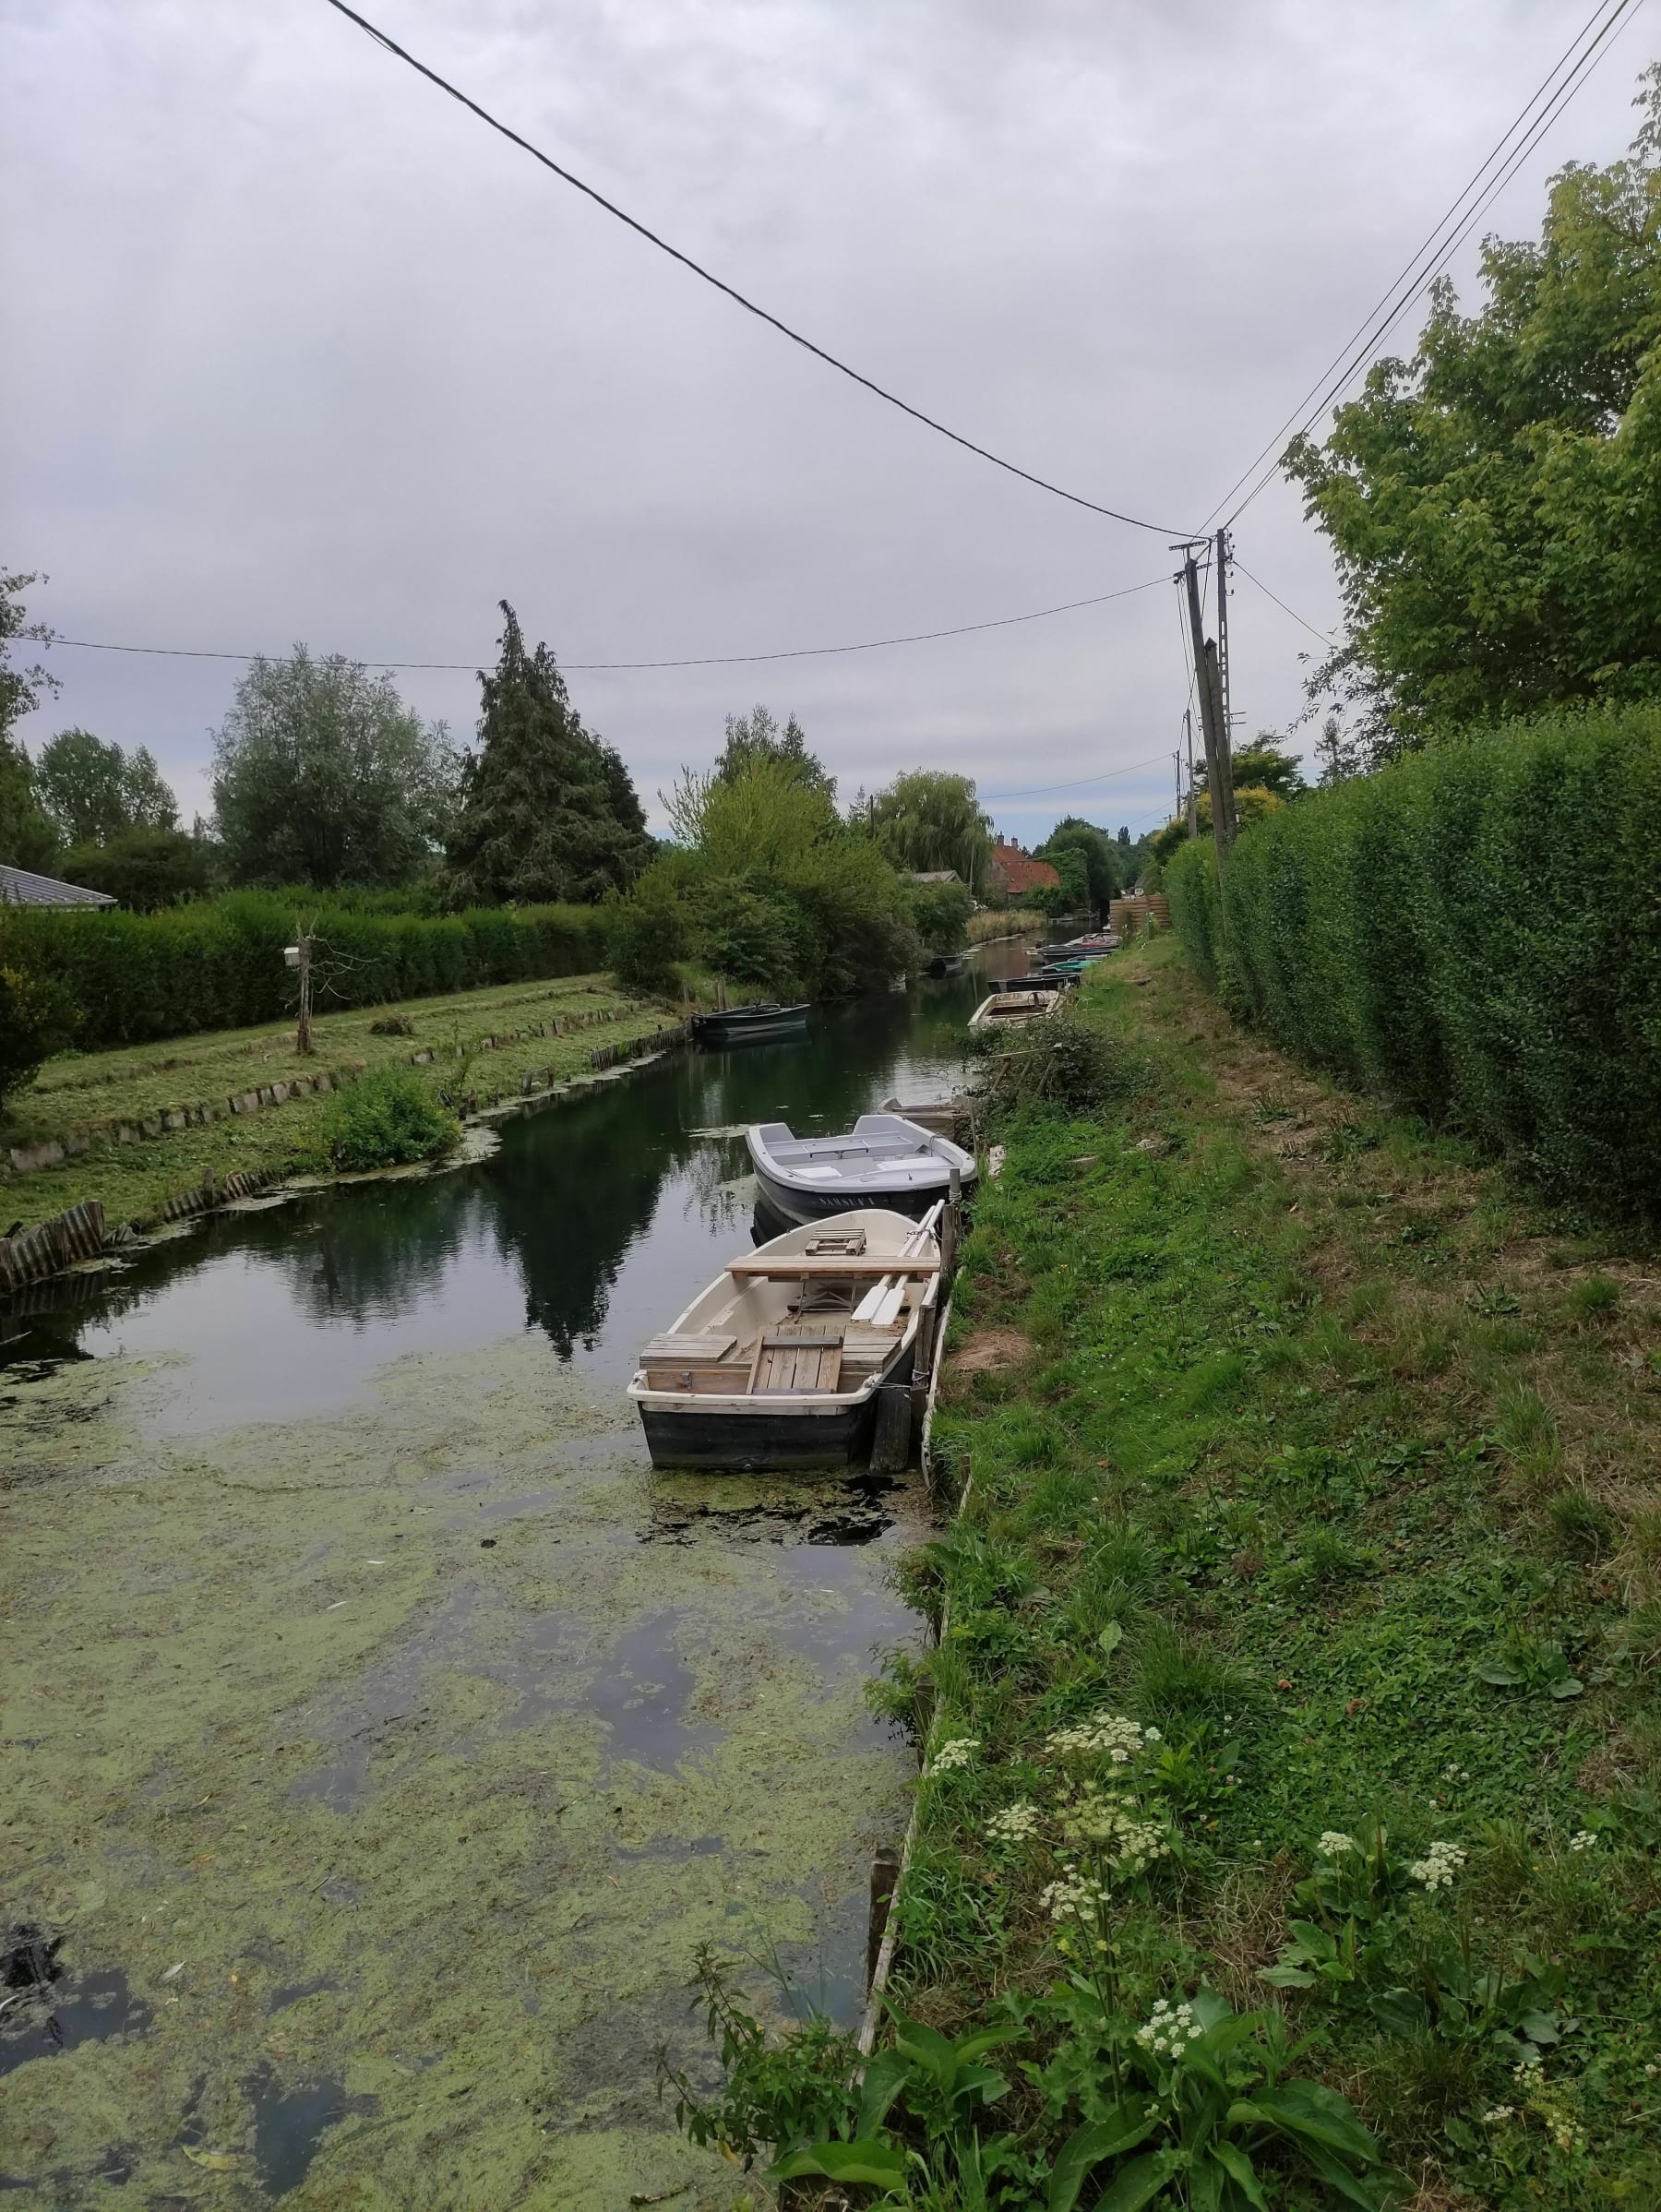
(927, 820)
(93, 790)
(1495, 503)
(27, 837)
(322, 775)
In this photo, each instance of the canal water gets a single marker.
(383, 1740)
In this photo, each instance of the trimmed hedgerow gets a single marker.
(1475, 933)
(218, 964)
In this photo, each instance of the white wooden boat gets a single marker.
(778, 1363)
(883, 1160)
(1009, 1009)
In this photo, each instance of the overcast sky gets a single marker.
(298, 349)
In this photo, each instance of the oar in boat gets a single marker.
(882, 1302)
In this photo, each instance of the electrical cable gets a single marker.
(731, 292)
(799, 652)
(1325, 636)
(1396, 301)
(1039, 791)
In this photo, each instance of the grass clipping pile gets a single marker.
(1293, 1762)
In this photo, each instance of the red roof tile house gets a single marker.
(1015, 872)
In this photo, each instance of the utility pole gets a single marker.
(1193, 810)
(1176, 756)
(1218, 772)
(298, 956)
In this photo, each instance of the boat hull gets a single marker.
(792, 1205)
(765, 1440)
(736, 1028)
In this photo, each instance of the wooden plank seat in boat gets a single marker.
(835, 1267)
(702, 1364)
(795, 1359)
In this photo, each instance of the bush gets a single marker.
(145, 868)
(217, 964)
(384, 1120)
(1475, 933)
(940, 915)
(35, 1021)
(646, 935)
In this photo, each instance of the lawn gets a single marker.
(1299, 1665)
(79, 1094)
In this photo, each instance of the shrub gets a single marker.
(144, 869)
(940, 915)
(646, 935)
(385, 1119)
(217, 964)
(1475, 933)
(35, 1020)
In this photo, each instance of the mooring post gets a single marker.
(885, 1873)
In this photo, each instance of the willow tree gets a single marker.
(927, 821)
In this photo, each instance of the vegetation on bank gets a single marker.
(1473, 934)
(1287, 1833)
(124, 978)
(83, 1097)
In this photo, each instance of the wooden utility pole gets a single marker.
(1214, 728)
(298, 956)
(1193, 810)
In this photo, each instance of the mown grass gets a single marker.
(133, 1181)
(1315, 1446)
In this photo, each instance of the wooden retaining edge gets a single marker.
(27, 1159)
(51, 1247)
(872, 2020)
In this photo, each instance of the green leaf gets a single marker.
(1398, 2012)
(1317, 2115)
(1370, 2195)
(1567, 1685)
(1540, 2027)
(1139, 2183)
(877, 2164)
(1287, 1977)
(1501, 1672)
(927, 2048)
(1111, 1637)
(1126, 2125)
(986, 2079)
(986, 2038)
(1241, 2172)
(885, 2077)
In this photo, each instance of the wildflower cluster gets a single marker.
(1108, 1735)
(1585, 1840)
(959, 1751)
(1115, 1830)
(1015, 1823)
(1334, 1843)
(1552, 2102)
(1169, 2029)
(1075, 1897)
(1440, 1865)
(1499, 2112)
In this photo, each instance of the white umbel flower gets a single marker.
(958, 1751)
(1015, 1823)
(1108, 1735)
(1439, 1866)
(1334, 1843)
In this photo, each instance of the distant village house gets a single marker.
(1015, 872)
(18, 887)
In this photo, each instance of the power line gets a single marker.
(994, 797)
(733, 660)
(1326, 636)
(738, 298)
(1605, 18)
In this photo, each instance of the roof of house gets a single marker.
(19, 888)
(935, 875)
(1020, 871)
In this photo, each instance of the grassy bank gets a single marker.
(1299, 1669)
(78, 1094)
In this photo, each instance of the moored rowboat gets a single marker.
(1009, 1009)
(779, 1362)
(883, 1160)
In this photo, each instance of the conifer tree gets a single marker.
(548, 811)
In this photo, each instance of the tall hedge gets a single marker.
(218, 964)
(1475, 933)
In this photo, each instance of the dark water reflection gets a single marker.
(595, 1221)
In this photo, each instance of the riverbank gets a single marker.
(135, 1128)
(1303, 1629)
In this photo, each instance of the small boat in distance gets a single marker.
(883, 1160)
(749, 1024)
(1009, 1009)
(779, 1362)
